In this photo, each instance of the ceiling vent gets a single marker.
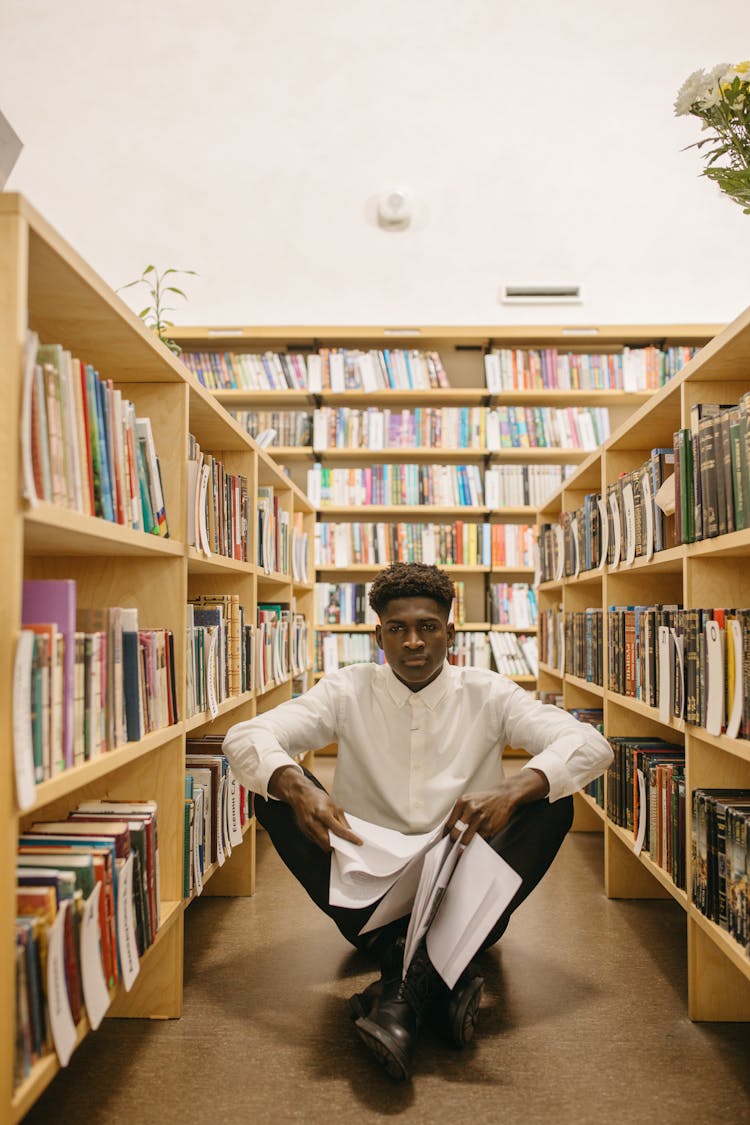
(540, 295)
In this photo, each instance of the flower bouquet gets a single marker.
(721, 99)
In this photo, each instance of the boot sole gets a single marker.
(464, 1020)
(384, 1049)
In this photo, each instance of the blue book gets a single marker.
(104, 450)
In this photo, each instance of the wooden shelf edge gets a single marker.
(654, 869)
(70, 780)
(585, 685)
(225, 707)
(723, 940)
(589, 800)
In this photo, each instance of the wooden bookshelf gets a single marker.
(701, 574)
(462, 350)
(46, 286)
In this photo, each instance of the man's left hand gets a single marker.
(487, 813)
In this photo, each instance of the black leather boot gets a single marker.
(389, 1029)
(455, 1011)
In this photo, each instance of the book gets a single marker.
(53, 601)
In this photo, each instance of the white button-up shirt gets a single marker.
(405, 757)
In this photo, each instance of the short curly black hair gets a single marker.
(411, 580)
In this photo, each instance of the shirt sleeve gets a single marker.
(258, 747)
(569, 753)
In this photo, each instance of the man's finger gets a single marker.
(343, 830)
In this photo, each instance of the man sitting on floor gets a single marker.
(419, 740)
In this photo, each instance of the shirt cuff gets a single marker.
(273, 761)
(548, 763)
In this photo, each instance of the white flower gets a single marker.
(711, 96)
(690, 92)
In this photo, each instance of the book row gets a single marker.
(277, 427)
(646, 795)
(338, 650)
(693, 664)
(334, 369)
(720, 852)
(446, 485)
(571, 642)
(343, 369)
(216, 809)
(712, 473)
(228, 655)
(633, 369)
(521, 485)
(456, 544)
(460, 427)
(85, 681)
(510, 655)
(632, 519)
(83, 445)
(343, 603)
(87, 909)
(218, 512)
(513, 603)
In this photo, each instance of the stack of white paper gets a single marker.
(454, 893)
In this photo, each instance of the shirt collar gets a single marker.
(430, 695)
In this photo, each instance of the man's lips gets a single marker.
(415, 660)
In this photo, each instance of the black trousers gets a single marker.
(529, 843)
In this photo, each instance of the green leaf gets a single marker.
(145, 312)
(149, 269)
(174, 289)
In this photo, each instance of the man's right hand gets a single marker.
(315, 812)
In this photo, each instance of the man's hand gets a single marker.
(487, 813)
(313, 809)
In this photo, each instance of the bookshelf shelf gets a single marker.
(591, 803)
(512, 571)
(638, 707)
(198, 563)
(48, 288)
(224, 708)
(437, 396)
(538, 456)
(287, 453)
(412, 455)
(703, 574)
(582, 579)
(549, 670)
(430, 512)
(263, 400)
(736, 747)
(724, 943)
(71, 780)
(586, 685)
(654, 869)
(49, 530)
(574, 397)
(362, 569)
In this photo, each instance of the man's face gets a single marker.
(414, 635)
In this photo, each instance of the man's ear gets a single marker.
(451, 631)
(379, 635)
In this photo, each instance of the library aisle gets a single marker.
(583, 1021)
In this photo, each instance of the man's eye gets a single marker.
(395, 628)
(428, 627)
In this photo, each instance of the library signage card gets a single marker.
(95, 992)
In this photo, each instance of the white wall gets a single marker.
(246, 140)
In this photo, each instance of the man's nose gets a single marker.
(413, 639)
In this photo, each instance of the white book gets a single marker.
(314, 384)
